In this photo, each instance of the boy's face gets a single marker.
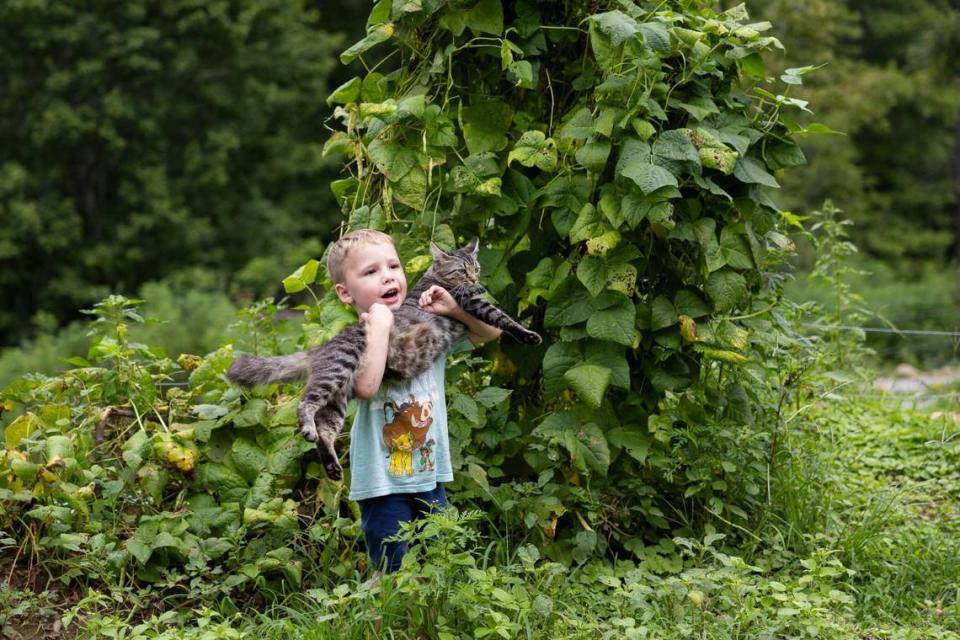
(373, 273)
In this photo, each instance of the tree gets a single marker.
(888, 85)
(143, 138)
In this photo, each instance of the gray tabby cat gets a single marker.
(417, 339)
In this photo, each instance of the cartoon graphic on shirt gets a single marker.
(401, 456)
(426, 462)
(406, 431)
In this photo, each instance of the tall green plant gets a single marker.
(615, 160)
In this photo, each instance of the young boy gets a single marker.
(399, 449)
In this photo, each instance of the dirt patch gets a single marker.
(921, 388)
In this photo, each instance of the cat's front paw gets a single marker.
(531, 338)
(309, 432)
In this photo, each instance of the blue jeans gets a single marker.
(380, 518)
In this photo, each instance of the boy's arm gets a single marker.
(438, 300)
(378, 321)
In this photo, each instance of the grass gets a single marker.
(861, 542)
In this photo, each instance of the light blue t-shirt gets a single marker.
(399, 441)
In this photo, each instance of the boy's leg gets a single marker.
(380, 518)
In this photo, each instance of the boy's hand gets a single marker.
(378, 317)
(438, 300)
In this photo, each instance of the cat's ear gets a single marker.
(472, 246)
(437, 252)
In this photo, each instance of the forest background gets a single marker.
(183, 163)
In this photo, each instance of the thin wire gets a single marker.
(919, 332)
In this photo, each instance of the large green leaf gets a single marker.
(585, 443)
(751, 171)
(735, 249)
(485, 125)
(577, 126)
(589, 224)
(675, 144)
(20, 428)
(636, 207)
(228, 483)
(631, 439)
(616, 26)
(348, 92)
(610, 356)
(570, 304)
(615, 323)
(247, 458)
(688, 303)
(533, 149)
(411, 189)
(590, 381)
(648, 176)
(656, 36)
(559, 358)
(593, 155)
(485, 17)
(662, 313)
(591, 448)
(375, 35)
(391, 159)
(252, 414)
(726, 288)
(592, 272)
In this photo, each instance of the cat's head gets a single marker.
(458, 267)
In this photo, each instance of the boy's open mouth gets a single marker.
(391, 295)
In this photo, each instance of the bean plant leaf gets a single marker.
(486, 17)
(485, 126)
(348, 92)
(610, 356)
(615, 323)
(662, 313)
(375, 35)
(656, 36)
(735, 249)
(589, 381)
(578, 125)
(391, 159)
(726, 288)
(559, 358)
(593, 155)
(616, 26)
(631, 439)
(675, 144)
(752, 171)
(648, 176)
(690, 304)
(592, 272)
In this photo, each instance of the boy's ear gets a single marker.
(343, 294)
(437, 252)
(472, 247)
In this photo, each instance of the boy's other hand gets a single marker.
(438, 300)
(378, 316)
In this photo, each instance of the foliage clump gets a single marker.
(615, 162)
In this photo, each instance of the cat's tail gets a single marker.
(249, 371)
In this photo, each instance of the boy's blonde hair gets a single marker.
(339, 250)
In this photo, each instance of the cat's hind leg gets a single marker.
(328, 422)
